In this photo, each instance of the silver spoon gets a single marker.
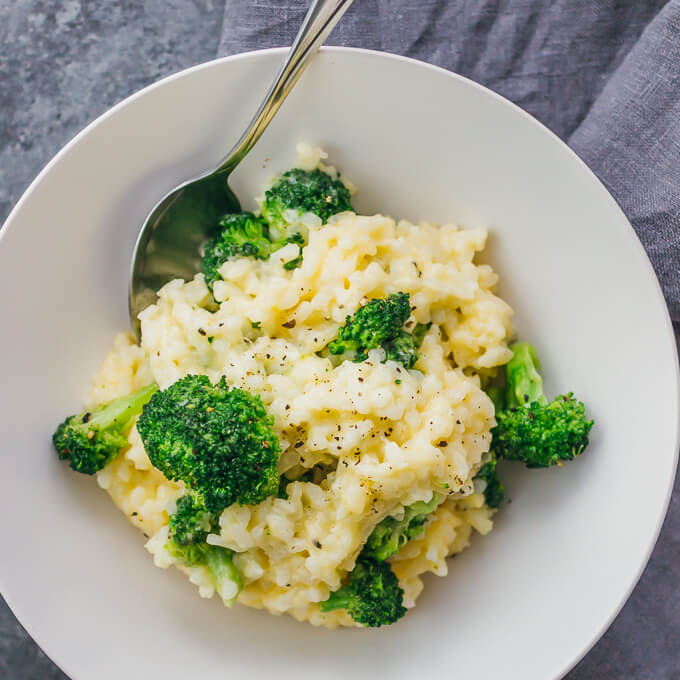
(168, 246)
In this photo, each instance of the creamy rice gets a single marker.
(396, 436)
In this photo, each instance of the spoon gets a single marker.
(168, 246)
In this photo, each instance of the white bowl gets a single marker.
(525, 602)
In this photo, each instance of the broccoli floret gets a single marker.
(189, 527)
(218, 440)
(90, 440)
(532, 430)
(372, 595)
(377, 322)
(241, 235)
(392, 534)
(248, 235)
(300, 191)
(493, 491)
(404, 347)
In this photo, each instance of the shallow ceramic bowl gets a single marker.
(525, 602)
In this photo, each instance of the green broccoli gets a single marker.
(300, 191)
(392, 534)
(372, 596)
(379, 324)
(524, 383)
(494, 491)
(218, 440)
(497, 396)
(90, 440)
(532, 430)
(189, 527)
(226, 576)
(241, 235)
(248, 235)
(296, 261)
(378, 321)
(404, 347)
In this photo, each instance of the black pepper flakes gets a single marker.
(202, 331)
(289, 324)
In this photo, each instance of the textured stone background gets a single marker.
(64, 62)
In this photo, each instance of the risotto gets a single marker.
(386, 436)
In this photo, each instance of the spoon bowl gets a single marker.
(169, 245)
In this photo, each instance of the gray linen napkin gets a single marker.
(602, 74)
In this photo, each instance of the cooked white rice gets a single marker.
(397, 436)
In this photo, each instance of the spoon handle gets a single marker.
(320, 20)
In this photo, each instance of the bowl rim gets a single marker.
(54, 654)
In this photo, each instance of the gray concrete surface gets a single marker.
(62, 63)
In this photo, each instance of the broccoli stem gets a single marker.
(228, 583)
(340, 599)
(494, 491)
(497, 396)
(390, 535)
(524, 382)
(119, 413)
(419, 333)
